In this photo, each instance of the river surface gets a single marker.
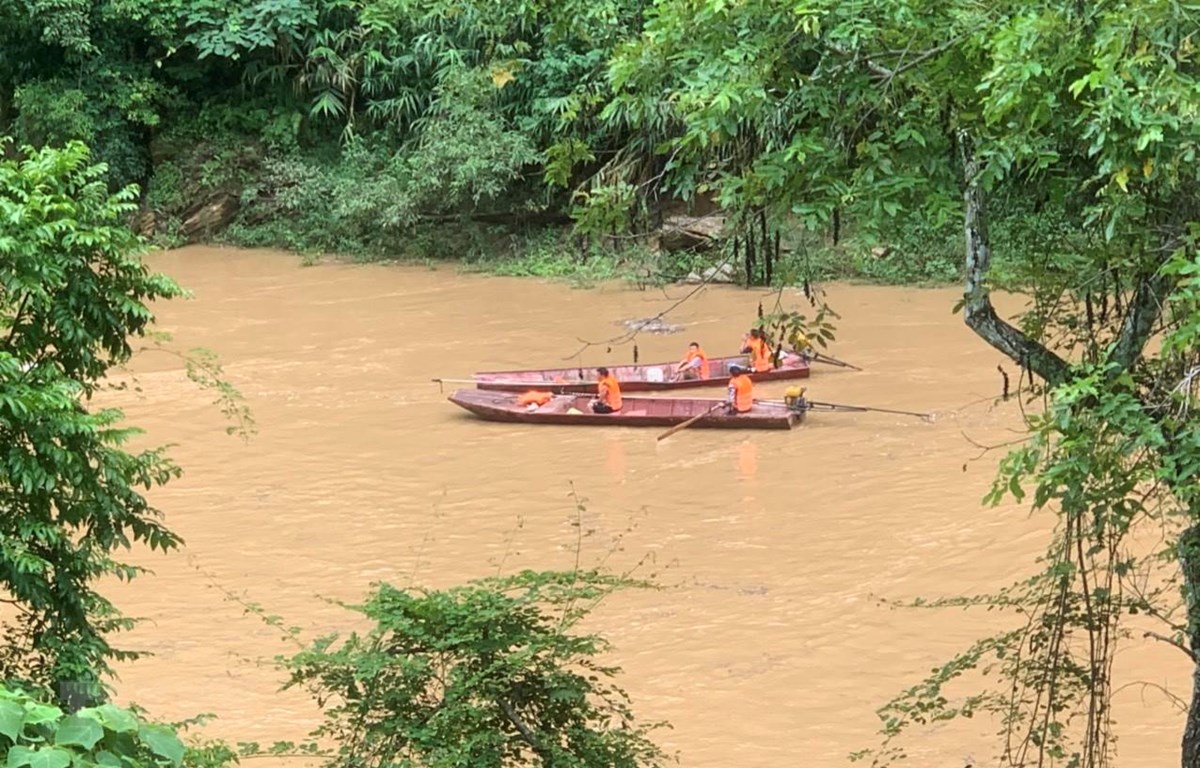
(769, 648)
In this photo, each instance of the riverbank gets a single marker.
(555, 254)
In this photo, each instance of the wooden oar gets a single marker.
(812, 405)
(820, 358)
(689, 422)
(514, 382)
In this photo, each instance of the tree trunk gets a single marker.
(978, 311)
(1189, 561)
(750, 254)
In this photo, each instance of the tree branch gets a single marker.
(1188, 552)
(16, 320)
(978, 312)
(876, 68)
(527, 734)
(905, 65)
(1145, 308)
(1170, 641)
(888, 74)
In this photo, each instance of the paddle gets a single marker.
(817, 357)
(514, 382)
(689, 422)
(811, 405)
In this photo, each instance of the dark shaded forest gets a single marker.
(656, 139)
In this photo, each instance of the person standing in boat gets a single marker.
(694, 364)
(608, 393)
(759, 350)
(741, 390)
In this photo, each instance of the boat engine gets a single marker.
(793, 398)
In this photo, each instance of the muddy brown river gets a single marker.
(769, 647)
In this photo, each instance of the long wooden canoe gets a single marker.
(635, 411)
(633, 378)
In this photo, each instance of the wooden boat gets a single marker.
(635, 411)
(634, 378)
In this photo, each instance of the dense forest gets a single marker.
(475, 130)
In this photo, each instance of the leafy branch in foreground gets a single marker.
(485, 674)
(491, 673)
(203, 368)
(1097, 461)
(74, 294)
(39, 735)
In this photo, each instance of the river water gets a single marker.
(769, 646)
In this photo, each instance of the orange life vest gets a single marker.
(702, 369)
(741, 393)
(760, 355)
(609, 392)
(535, 397)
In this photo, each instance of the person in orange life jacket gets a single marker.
(608, 393)
(760, 352)
(741, 390)
(694, 365)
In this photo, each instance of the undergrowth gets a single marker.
(372, 202)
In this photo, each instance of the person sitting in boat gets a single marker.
(694, 364)
(741, 390)
(759, 350)
(608, 393)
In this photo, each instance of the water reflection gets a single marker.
(615, 459)
(748, 460)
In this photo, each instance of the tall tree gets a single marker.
(73, 292)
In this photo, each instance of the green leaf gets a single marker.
(108, 759)
(46, 757)
(79, 731)
(19, 756)
(12, 719)
(115, 719)
(163, 742)
(41, 713)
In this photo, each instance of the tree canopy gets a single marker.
(73, 292)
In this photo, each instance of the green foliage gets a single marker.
(73, 294)
(493, 673)
(1093, 458)
(39, 735)
(224, 31)
(793, 329)
(549, 254)
(52, 113)
(74, 289)
(65, 23)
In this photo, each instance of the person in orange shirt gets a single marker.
(694, 365)
(608, 393)
(758, 349)
(741, 390)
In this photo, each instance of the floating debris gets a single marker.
(650, 325)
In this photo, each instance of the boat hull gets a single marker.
(654, 377)
(635, 412)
